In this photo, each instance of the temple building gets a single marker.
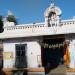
(39, 45)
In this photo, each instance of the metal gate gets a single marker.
(21, 59)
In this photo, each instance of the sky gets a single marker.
(32, 11)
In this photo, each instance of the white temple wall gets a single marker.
(33, 53)
(9, 55)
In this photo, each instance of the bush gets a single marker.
(11, 18)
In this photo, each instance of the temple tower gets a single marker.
(52, 15)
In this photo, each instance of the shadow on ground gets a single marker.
(59, 70)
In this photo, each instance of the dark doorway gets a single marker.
(53, 53)
(21, 59)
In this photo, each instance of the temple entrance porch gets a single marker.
(54, 53)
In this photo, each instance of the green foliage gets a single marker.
(1, 20)
(1, 24)
(11, 18)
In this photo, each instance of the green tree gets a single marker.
(1, 24)
(11, 18)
